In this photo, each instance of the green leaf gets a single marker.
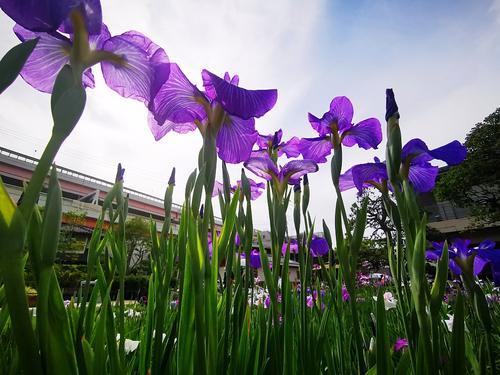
(383, 351)
(458, 338)
(439, 285)
(67, 102)
(13, 61)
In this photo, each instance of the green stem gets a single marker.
(37, 179)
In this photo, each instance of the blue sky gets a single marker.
(441, 58)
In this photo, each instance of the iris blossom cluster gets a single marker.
(461, 254)
(336, 128)
(416, 166)
(272, 146)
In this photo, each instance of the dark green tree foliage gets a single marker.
(373, 251)
(475, 184)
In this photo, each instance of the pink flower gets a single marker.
(400, 344)
(345, 294)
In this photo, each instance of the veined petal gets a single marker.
(238, 101)
(97, 40)
(321, 125)
(159, 131)
(291, 148)
(262, 167)
(342, 112)
(47, 59)
(235, 139)
(39, 15)
(423, 177)
(295, 169)
(366, 134)
(256, 188)
(346, 181)
(364, 174)
(316, 149)
(146, 63)
(176, 99)
(479, 264)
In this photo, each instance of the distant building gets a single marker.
(455, 222)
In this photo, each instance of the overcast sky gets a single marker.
(441, 57)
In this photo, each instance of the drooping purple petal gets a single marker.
(342, 112)
(235, 139)
(452, 153)
(423, 177)
(160, 131)
(47, 59)
(400, 344)
(92, 16)
(345, 180)
(316, 149)
(238, 101)
(295, 169)
(145, 69)
(479, 264)
(321, 125)
(176, 99)
(291, 148)
(366, 174)
(39, 15)
(262, 167)
(319, 247)
(487, 245)
(366, 134)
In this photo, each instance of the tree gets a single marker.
(475, 184)
(374, 247)
(138, 242)
(68, 239)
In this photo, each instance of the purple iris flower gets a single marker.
(254, 258)
(132, 65)
(336, 127)
(400, 344)
(294, 247)
(256, 188)
(319, 247)
(415, 159)
(290, 173)
(50, 15)
(268, 144)
(460, 249)
(224, 109)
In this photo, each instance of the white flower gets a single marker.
(130, 345)
(449, 322)
(389, 301)
(132, 313)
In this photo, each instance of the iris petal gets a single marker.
(176, 99)
(159, 131)
(319, 247)
(452, 153)
(47, 59)
(238, 101)
(39, 15)
(262, 167)
(145, 64)
(346, 181)
(423, 177)
(92, 15)
(291, 148)
(295, 169)
(342, 112)
(362, 174)
(316, 149)
(235, 139)
(366, 134)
